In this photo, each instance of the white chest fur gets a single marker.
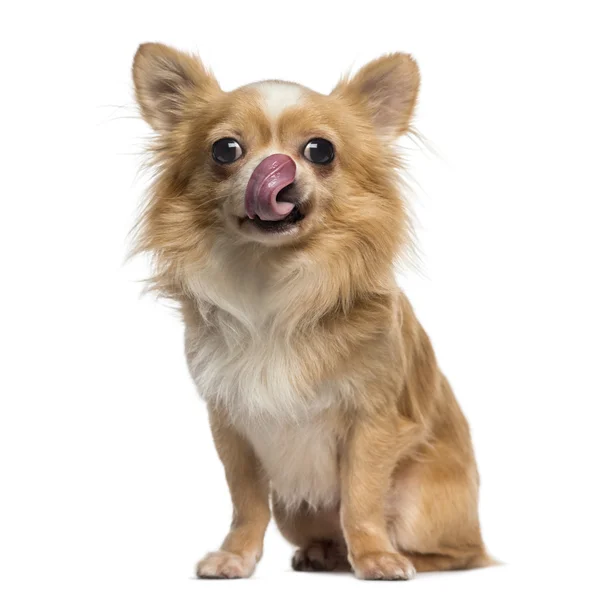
(258, 383)
(262, 380)
(301, 461)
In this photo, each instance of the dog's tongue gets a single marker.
(272, 175)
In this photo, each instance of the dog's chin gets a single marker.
(275, 233)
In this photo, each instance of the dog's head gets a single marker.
(273, 166)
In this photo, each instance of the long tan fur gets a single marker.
(324, 395)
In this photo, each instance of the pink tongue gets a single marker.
(272, 175)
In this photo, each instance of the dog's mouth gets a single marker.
(287, 224)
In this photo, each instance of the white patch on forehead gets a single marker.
(278, 95)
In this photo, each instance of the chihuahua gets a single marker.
(275, 222)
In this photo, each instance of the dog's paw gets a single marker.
(384, 565)
(321, 556)
(225, 565)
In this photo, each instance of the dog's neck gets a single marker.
(265, 290)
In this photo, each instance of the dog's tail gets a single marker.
(443, 562)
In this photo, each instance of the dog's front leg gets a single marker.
(369, 458)
(242, 548)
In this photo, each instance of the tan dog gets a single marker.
(274, 222)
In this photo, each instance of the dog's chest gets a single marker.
(264, 382)
(261, 384)
(253, 377)
(301, 461)
(238, 357)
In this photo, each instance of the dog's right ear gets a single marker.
(166, 81)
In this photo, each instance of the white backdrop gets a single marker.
(110, 486)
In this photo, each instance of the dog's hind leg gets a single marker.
(317, 535)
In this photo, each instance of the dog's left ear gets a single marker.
(387, 88)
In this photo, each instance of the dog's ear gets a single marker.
(166, 81)
(388, 88)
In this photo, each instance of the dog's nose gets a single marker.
(273, 174)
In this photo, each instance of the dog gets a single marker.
(275, 222)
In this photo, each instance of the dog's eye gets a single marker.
(319, 151)
(226, 150)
